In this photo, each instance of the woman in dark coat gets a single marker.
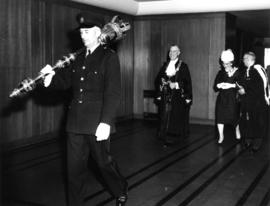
(227, 107)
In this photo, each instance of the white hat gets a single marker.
(227, 56)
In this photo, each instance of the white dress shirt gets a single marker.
(171, 70)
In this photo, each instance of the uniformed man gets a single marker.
(94, 78)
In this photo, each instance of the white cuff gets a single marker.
(103, 131)
(47, 80)
(177, 85)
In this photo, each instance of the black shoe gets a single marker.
(121, 201)
(254, 149)
(160, 138)
(247, 144)
(168, 143)
(239, 141)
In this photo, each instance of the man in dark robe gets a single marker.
(175, 96)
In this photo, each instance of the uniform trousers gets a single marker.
(79, 148)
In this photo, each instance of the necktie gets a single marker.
(88, 51)
(247, 73)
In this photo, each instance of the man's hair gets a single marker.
(251, 54)
(175, 45)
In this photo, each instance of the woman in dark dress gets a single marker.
(227, 107)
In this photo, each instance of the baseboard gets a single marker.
(22, 154)
(193, 120)
(25, 153)
(124, 118)
(19, 155)
(201, 121)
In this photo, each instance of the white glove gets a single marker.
(48, 71)
(220, 85)
(103, 131)
(188, 101)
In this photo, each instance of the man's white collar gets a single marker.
(93, 48)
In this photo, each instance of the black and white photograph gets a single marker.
(134, 103)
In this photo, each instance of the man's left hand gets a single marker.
(103, 131)
(188, 101)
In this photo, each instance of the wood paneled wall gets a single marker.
(35, 33)
(201, 38)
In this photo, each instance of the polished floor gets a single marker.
(194, 172)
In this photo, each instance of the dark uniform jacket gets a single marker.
(95, 84)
